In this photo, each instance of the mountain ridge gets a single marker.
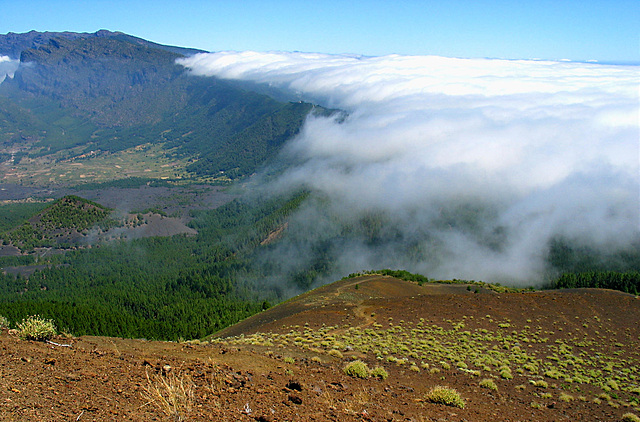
(12, 44)
(79, 94)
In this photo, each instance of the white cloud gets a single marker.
(552, 145)
(8, 67)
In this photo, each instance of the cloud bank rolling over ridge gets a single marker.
(8, 67)
(477, 164)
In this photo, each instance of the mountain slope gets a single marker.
(99, 94)
(542, 356)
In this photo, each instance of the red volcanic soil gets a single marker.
(270, 376)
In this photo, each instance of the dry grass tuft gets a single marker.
(173, 394)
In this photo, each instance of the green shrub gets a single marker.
(630, 417)
(446, 396)
(552, 373)
(357, 369)
(505, 373)
(379, 372)
(489, 383)
(613, 384)
(36, 328)
(335, 353)
(4, 322)
(566, 397)
(540, 384)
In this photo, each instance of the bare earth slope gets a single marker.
(556, 355)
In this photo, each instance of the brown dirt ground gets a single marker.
(105, 379)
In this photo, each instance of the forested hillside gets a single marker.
(59, 225)
(160, 287)
(78, 96)
(91, 113)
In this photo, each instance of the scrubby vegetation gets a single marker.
(379, 372)
(552, 362)
(446, 396)
(357, 369)
(421, 279)
(4, 322)
(488, 383)
(630, 417)
(36, 328)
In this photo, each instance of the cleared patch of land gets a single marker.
(176, 201)
(148, 161)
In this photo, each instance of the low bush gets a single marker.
(357, 369)
(540, 384)
(335, 353)
(505, 373)
(379, 372)
(630, 417)
(566, 397)
(446, 396)
(36, 328)
(489, 383)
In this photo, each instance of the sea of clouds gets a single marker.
(533, 150)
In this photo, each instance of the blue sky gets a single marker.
(604, 30)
